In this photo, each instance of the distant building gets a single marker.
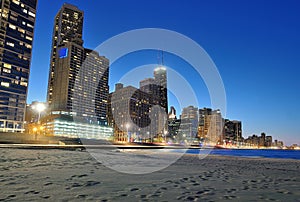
(17, 21)
(172, 113)
(232, 131)
(148, 85)
(210, 126)
(268, 142)
(262, 141)
(189, 123)
(129, 113)
(204, 122)
(173, 126)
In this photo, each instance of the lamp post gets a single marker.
(39, 107)
(127, 127)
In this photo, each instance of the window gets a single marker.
(8, 66)
(31, 14)
(29, 38)
(13, 18)
(10, 44)
(5, 84)
(6, 71)
(21, 30)
(16, 2)
(23, 83)
(24, 10)
(29, 25)
(12, 26)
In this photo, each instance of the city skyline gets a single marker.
(254, 94)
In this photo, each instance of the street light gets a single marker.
(127, 127)
(39, 107)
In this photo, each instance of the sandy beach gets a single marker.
(64, 175)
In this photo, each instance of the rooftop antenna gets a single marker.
(160, 57)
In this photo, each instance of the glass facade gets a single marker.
(16, 36)
(65, 127)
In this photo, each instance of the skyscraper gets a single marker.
(78, 81)
(17, 21)
(68, 26)
(160, 79)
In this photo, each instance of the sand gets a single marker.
(63, 175)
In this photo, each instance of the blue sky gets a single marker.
(254, 44)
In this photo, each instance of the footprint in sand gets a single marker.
(134, 189)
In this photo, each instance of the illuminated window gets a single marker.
(23, 83)
(16, 2)
(24, 10)
(10, 44)
(29, 25)
(8, 66)
(12, 26)
(31, 14)
(21, 30)
(6, 71)
(23, 23)
(29, 38)
(5, 84)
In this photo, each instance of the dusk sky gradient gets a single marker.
(254, 44)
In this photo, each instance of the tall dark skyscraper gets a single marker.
(160, 79)
(68, 25)
(17, 21)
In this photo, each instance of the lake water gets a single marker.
(252, 153)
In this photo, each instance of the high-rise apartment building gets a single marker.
(80, 85)
(68, 25)
(78, 82)
(17, 20)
